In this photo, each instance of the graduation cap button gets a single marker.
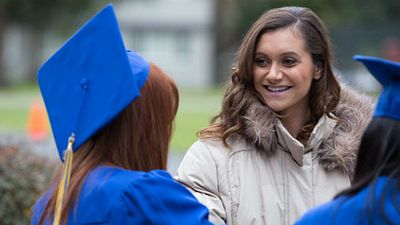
(85, 83)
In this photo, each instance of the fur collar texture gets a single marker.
(338, 151)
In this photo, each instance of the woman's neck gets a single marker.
(295, 121)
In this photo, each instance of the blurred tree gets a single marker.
(225, 27)
(38, 16)
(357, 26)
(365, 13)
(331, 11)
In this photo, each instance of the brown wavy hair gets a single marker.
(240, 92)
(137, 139)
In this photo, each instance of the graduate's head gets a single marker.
(379, 151)
(111, 99)
(138, 137)
(109, 105)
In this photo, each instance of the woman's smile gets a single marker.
(276, 89)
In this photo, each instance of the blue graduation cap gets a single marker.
(388, 74)
(86, 84)
(90, 80)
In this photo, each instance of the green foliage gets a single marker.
(365, 13)
(23, 177)
(355, 27)
(41, 12)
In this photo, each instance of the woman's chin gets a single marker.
(276, 108)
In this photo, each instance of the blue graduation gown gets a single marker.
(112, 195)
(356, 209)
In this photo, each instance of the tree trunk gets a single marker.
(35, 52)
(3, 23)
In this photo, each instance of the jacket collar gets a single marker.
(338, 146)
(321, 131)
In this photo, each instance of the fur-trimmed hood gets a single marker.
(338, 151)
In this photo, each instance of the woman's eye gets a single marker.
(289, 62)
(261, 61)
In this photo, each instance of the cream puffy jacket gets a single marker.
(266, 176)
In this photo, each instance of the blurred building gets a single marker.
(16, 63)
(177, 35)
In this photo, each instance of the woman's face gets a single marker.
(283, 71)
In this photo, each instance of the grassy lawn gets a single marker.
(195, 110)
(14, 106)
(194, 113)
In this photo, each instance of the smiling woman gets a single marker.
(287, 134)
(283, 73)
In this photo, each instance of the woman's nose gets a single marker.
(274, 74)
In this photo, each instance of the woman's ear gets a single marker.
(317, 72)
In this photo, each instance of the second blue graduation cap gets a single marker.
(90, 80)
(388, 75)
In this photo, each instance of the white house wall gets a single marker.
(177, 35)
(14, 55)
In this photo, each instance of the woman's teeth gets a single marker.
(278, 88)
